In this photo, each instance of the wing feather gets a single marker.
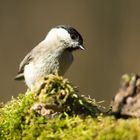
(24, 62)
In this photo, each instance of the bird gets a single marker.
(52, 55)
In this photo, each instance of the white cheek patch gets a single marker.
(58, 34)
(63, 34)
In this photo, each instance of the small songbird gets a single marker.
(52, 55)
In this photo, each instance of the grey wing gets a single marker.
(25, 61)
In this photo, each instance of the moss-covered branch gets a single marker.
(54, 110)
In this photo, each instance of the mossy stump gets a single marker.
(53, 110)
(52, 97)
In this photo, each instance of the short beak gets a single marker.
(81, 47)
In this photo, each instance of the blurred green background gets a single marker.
(111, 32)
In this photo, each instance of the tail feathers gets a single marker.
(20, 76)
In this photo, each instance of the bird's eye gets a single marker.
(73, 37)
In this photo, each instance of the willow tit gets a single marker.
(52, 55)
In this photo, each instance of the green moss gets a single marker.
(53, 110)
